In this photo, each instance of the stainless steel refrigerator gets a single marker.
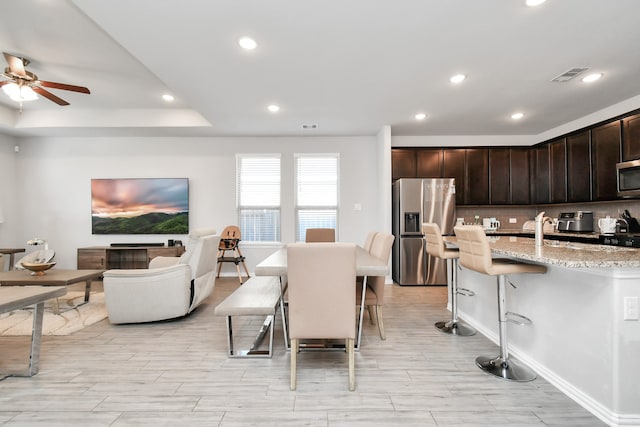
(415, 201)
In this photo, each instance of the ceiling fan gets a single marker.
(22, 82)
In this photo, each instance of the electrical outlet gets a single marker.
(630, 308)
(512, 220)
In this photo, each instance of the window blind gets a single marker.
(258, 197)
(316, 192)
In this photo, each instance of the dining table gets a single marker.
(14, 298)
(366, 265)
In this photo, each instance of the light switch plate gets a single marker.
(630, 308)
(512, 220)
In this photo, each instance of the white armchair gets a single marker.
(171, 287)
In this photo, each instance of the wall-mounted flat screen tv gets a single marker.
(140, 206)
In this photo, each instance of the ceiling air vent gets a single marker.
(568, 75)
(310, 126)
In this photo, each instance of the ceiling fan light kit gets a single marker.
(19, 93)
(23, 85)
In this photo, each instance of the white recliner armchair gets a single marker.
(171, 287)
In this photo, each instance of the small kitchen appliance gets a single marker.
(607, 225)
(576, 222)
(490, 224)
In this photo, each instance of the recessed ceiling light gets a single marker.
(532, 3)
(421, 116)
(247, 43)
(592, 77)
(458, 78)
(273, 108)
(168, 97)
(517, 116)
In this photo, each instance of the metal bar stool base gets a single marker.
(455, 328)
(510, 370)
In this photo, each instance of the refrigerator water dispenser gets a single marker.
(412, 222)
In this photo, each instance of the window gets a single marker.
(258, 197)
(316, 192)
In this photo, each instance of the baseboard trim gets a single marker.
(575, 394)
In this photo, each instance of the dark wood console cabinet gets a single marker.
(123, 257)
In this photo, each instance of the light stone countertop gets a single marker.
(565, 254)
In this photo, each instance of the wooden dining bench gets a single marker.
(258, 296)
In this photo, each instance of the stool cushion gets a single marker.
(475, 254)
(507, 266)
(435, 243)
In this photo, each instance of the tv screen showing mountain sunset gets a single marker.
(140, 206)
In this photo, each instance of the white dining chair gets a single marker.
(322, 281)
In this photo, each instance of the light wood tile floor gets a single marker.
(177, 373)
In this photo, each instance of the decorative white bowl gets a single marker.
(38, 269)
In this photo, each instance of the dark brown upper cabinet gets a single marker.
(477, 176)
(558, 171)
(499, 176)
(519, 176)
(605, 153)
(631, 138)
(541, 174)
(403, 163)
(453, 166)
(429, 163)
(579, 167)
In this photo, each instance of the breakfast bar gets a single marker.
(585, 335)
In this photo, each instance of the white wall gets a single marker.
(8, 193)
(607, 113)
(53, 183)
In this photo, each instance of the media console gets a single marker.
(136, 245)
(123, 257)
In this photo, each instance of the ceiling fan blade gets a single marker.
(5, 82)
(16, 65)
(49, 95)
(63, 86)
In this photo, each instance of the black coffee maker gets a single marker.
(627, 223)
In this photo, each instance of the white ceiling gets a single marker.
(349, 66)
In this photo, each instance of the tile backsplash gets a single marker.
(525, 213)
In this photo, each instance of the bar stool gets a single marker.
(436, 247)
(475, 254)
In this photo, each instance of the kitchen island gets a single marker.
(579, 339)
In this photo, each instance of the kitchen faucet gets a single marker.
(540, 221)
